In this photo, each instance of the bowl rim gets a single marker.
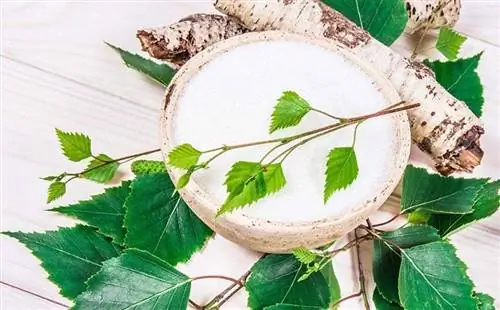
(199, 200)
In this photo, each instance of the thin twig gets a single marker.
(216, 277)
(369, 223)
(350, 121)
(362, 286)
(346, 298)
(77, 175)
(195, 305)
(230, 295)
(426, 29)
(349, 245)
(386, 222)
(220, 296)
(328, 114)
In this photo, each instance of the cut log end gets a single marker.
(467, 154)
(179, 42)
(159, 50)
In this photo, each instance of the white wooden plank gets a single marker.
(121, 115)
(14, 299)
(33, 151)
(57, 36)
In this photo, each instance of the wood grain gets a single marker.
(56, 71)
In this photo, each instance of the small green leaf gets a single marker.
(333, 283)
(419, 216)
(184, 156)
(289, 111)
(438, 194)
(274, 279)
(432, 277)
(136, 280)
(144, 166)
(184, 180)
(248, 182)
(161, 73)
(386, 259)
(70, 255)
(385, 20)
(449, 42)
(157, 220)
(101, 169)
(304, 256)
(49, 178)
(104, 211)
(56, 190)
(75, 146)
(484, 301)
(485, 205)
(461, 80)
(382, 304)
(341, 170)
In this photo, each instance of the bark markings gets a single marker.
(443, 127)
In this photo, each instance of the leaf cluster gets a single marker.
(77, 147)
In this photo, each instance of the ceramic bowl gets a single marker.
(311, 224)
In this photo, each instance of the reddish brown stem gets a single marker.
(217, 277)
(346, 298)
(362, 286)
(386, 222)
(195, 305)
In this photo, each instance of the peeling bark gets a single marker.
(431, 14)
(178, 42)
(443, 126)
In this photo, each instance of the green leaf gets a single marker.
(69, 255)
(486, 204)
(333, 283)
(289, 111)
(184, 180)
(293, 307)
(449, 42)
(75, 146)
(341, 170)
(433, 277)
(248, 182)
(136, 280)
(184, 156)
(484, 301)
(144, 166)
(438, 194)
(49, 178)
(160, 73)
(104, 211)
(386, 259)
(461, 80)
(382, 304)
(56, 190)
(419, 216)
(273, 280)
(385, 20)
(157, 220)
(304, 256)
(101, 169)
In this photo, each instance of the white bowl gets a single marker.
(225, 95)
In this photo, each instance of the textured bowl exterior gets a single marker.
(273, 236)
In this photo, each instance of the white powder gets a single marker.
(231, 99)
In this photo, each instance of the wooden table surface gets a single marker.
(57, 72)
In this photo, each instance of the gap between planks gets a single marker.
(34, 294)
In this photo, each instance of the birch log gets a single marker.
(178, 42)
(443, 127)
(431, 14)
